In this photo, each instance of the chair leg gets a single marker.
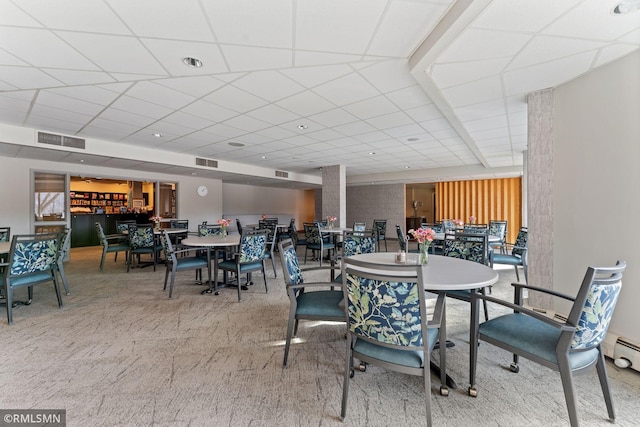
(63, 277)
(517, 275)
(264, 274)
(57, 288)
(9, 301)
(348, 368)
(166, 278)
(483, 291)
(601, 368)
(173, 279)
(569, 393)
(104, 255)
(239, 285)
(290, 326)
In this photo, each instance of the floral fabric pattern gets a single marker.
(521, 243)
(34, 256)
(292, 266)
(312, 234)
(596, 315)
(469, 249)
(4, 236)
(140, 237)
(354, 245)
(388, 312)
(204, 231)
(253, 248)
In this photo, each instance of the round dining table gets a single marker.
(443, 274)
(215, 243)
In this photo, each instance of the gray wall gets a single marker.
(366, 203)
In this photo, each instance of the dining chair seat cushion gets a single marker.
(538, 339)
(231, 265)
(414, 359)
(118, 247)
(324, 246)
(192, 262)
(320, 303)
(507, 259)
(34, 278)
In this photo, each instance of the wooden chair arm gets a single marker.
(543, 290)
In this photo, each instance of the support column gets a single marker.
(334, 193)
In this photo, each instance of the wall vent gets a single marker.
(60, 140)
(206, 162)
(282, 174)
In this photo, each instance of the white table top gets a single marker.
(335, 230)
(441, 273)
(212, 241)
(257, 226)
(5, 247)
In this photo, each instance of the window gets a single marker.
(49, 197)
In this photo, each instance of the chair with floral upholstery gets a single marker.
(515, 254)
(112, 244)
(354, 243)
(64, 241)
(143, 242)
(570, 347)
(388, 323)
(249, 258)
(315, 242)
(5, 234)
(308, 300)
(175, 263)
(32, 260)
(499, 229)
(380, 229)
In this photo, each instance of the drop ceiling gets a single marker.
(395, 90)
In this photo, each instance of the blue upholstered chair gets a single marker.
(272, 236)
(175, 263)
(315, 242)
(308, 301)
(182, 224)
(498, 228)
(471, 247)
(5, 234)
(387, 321)
(380, 229)
(515, 254)
(64, 242)
(402, 241)
(569, 347)
(32, 260)
(143, 242)
(437, 247)
(112, 243)
(359, 227)
(209, 230)
(249, 258)
(354, 243)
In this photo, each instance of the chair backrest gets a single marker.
(435, 226)
(239, 226)
(293, 231)
(141, 236)
(380, 227)
(359, 226)
(498, 228)
(179, 223)
(469, 246)
(123, 226)
(290, 264)
(388, 307)
(594, 305)
(312, 233)
(448, 225)
(167, 246)
(253, 246)
(5, 234)
(521, 242)
(32, 254)
(476, 228)
(354, 242)
(101, 236)
(271, 227)
(209, 230)
(64, 241)
(402, 239)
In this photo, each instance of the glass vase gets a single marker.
(424, 254)
(224, 232)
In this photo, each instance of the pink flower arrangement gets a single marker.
(224, 222)
(263, 217)
(472, 219)
(155, 218)
(458, 222)
(331, 218)
(422, 235)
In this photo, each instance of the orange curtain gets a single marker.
(485, 199)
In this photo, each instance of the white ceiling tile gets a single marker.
(209, 111)
(195, 86)
(114, 53)
(346, 90)
(277, 132)
(435, 124)
(27, 78)
(253, 138)
(372, 137)
(88, 15)
(269, 85)
(305, 103)
(57, 100)
(126, 117)
(159, 95)
(235, 99)
(521, 15)
(350, 30)
(372, 107)
(456, 73)
(247, 124)
(611, 53)
(244, 58)
(482, 90)
(405, 131)
(313, 76)
(545, 49)
(482, 109)
(403, 27)
(305, 59)
(546, 75)
(170, 20)
(133, 105)
(424, 113)
(486, 123)
(8, 59)
(389, 76)
(272, 114)
(76, 77)
(11, 15)
(332, 118)
(252, 23)
(170, 53)
(409, 97)
(188, 120)
(354, 128)
(93, 94)
(224, 130)
(479, 44)
(167, 128)
(390, 120)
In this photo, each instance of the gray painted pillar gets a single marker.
(540, 194)
(334, 193)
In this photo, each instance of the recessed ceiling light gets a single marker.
(157, 135)
(303, 127)
(192, 62)
(236, 144)
(263, 157)
(627, 6)
(407, 167)
(372, 153)
(81, 160)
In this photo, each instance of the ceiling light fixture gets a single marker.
(303, 127)
(263, 157)
(157, 135)
(372, 153)
(627, 6)
(192, 62)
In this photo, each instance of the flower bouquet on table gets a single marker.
(330, 220)
(424, 237)
(459, 223)
(156, 220)
(263, 217)
(224, 223)
(472, 219)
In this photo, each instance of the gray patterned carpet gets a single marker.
(120, 353)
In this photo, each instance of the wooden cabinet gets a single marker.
(414, 222)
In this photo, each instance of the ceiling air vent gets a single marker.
(282, 174)
(60, 140)
(206, 162)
